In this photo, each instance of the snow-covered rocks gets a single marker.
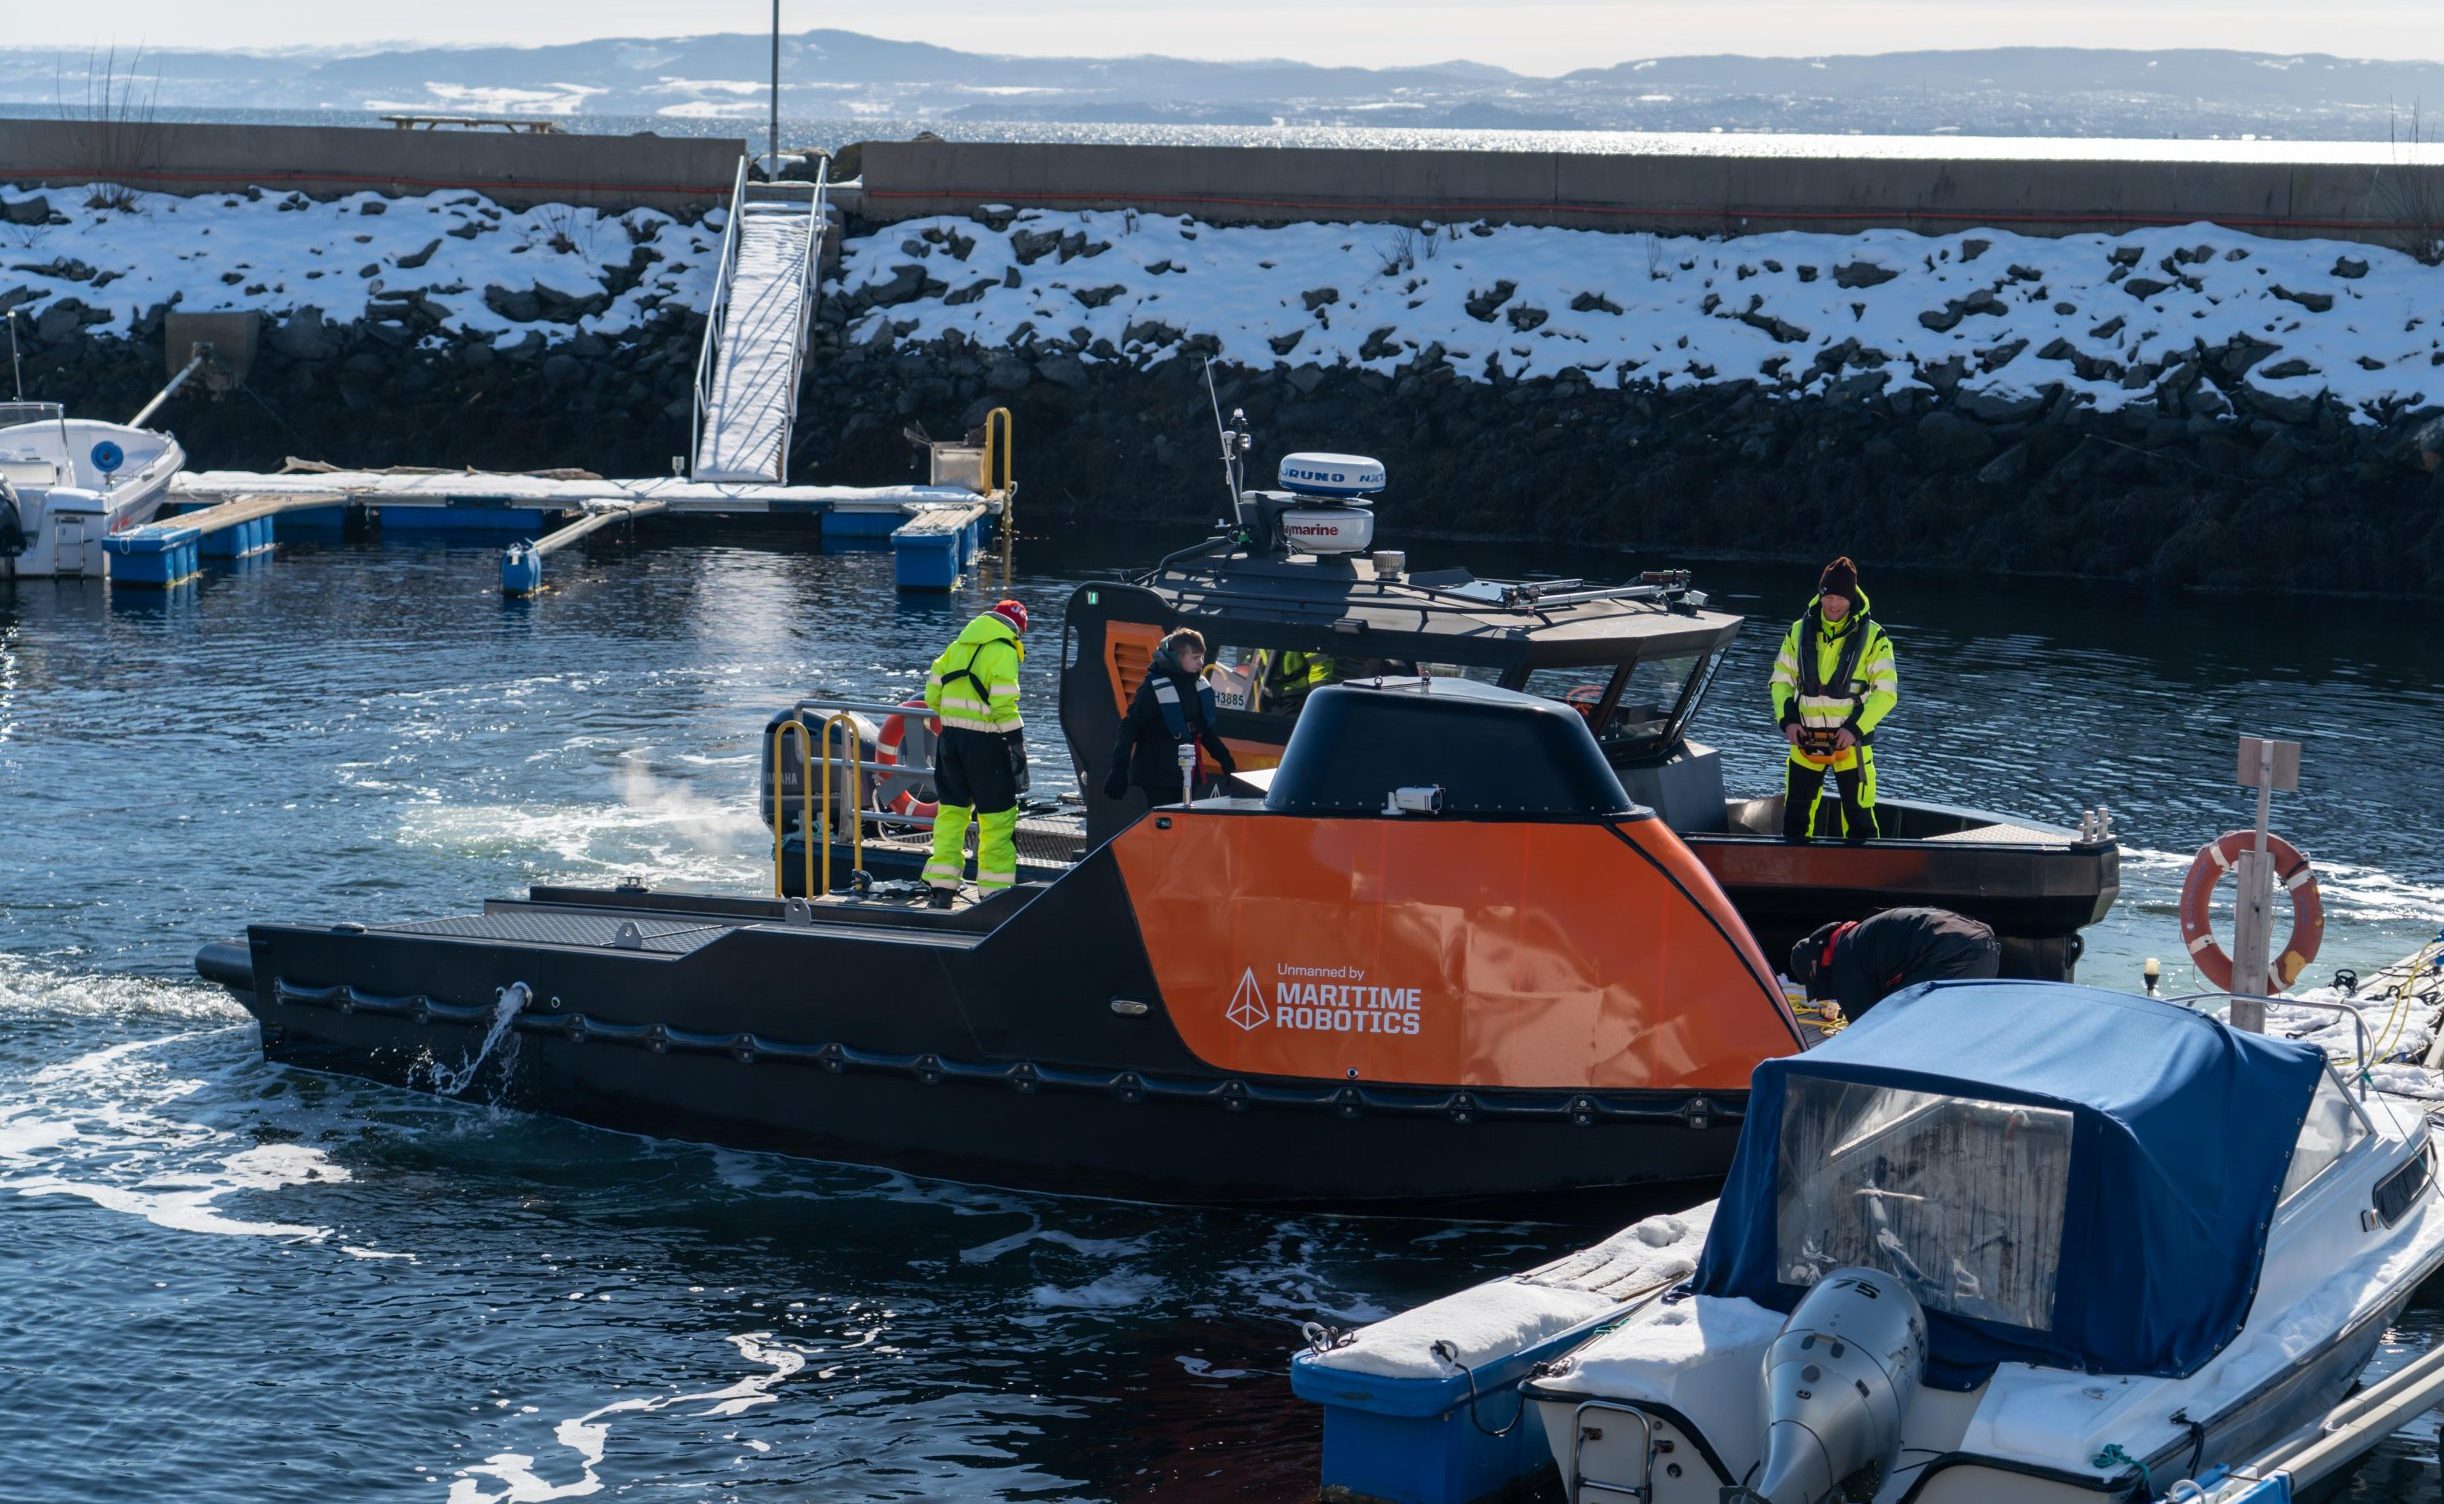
(443, 264)
(2003, 325)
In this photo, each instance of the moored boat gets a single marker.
(68, 483)
(1996, 1242)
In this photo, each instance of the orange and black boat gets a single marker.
(1294, 595)
(1445, 961)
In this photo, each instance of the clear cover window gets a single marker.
(1960, 1197)
(2332, 1127)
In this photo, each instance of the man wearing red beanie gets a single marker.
(980, 760)
(1833, 685)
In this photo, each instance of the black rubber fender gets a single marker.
(228, 962)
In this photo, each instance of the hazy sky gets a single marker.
(1535, 36)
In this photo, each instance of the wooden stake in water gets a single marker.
(2265, 765)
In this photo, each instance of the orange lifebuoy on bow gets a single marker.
(898, 737)
(2291, 871)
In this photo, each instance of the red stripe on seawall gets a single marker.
(28, 175)
(1550, 206)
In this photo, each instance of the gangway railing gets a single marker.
(723, 340)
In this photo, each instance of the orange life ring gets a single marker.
(2291, 871)
(888, 744)
(1586, 699)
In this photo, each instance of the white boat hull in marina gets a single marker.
(68, 483)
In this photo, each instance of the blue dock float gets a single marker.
(165, 554)
(930, 550)
(936, 531)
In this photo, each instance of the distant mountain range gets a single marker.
(840, 75)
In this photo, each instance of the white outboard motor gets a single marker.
(1324, 506)
(1838, 1384)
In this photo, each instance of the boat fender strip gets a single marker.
(1343, 1100)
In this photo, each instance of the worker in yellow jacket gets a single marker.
(980, 761)
(1832, 686)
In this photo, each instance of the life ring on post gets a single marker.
(2291, 871)
(908, 741)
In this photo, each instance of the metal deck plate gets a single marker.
(662, 936)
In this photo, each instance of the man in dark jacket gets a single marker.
(1173, 708)
(1860, 964)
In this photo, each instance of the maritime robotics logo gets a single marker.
(1247, 1008)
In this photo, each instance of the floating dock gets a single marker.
(746, 411)
(935, 530)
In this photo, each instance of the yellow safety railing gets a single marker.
(1000, 423)
(808, 763)
(857, 789)
(806, 797)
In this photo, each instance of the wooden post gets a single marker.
(2265, 765)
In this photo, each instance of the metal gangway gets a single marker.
(755, 332)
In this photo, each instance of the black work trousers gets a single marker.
(1806, 784)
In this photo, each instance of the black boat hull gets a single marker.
(772, 1037)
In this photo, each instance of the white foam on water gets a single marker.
(589, 1435)
(648, 824)
(110, 1126)
(1113, 1292)
(1097, 1248)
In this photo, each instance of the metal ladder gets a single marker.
(755, 332)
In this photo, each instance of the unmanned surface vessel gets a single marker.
(1446, 960)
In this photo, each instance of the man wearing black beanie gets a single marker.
(1832, 686)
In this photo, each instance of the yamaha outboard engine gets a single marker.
(1838, 1385)
(13, 539)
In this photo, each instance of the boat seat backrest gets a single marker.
(25, 472)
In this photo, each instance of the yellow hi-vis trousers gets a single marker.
(996, 848)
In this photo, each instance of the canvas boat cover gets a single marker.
(2065, 1176)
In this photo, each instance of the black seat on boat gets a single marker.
(1490, 751)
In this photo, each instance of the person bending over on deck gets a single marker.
(1833, 684)
(1173, 708)
(1860, 964)
(980, 760)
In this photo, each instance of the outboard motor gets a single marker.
(13, 539)
(1838, 1385)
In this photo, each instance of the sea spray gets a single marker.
(510, 1001)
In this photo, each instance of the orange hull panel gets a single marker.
(1459, 953)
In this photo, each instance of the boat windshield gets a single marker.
(1653, 700)
(1961, 1198)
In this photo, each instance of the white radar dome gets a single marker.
(1331, 474)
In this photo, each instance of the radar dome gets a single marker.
(1331, 474)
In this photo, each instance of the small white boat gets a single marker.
(68, 483)
(2001, 1242)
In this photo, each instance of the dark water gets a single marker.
(221, 1281)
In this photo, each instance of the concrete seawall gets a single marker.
(1680, 194)
(682, 175)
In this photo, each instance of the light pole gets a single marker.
(772, 168)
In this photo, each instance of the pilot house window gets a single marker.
(1961, 1198)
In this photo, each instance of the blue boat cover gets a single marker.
(2181, 1132)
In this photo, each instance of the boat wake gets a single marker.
(511, 1478)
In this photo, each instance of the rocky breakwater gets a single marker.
(2190, 406)
(440, 330)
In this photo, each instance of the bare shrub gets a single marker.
(2408, 195)
(117, 138)
(1399, 252)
